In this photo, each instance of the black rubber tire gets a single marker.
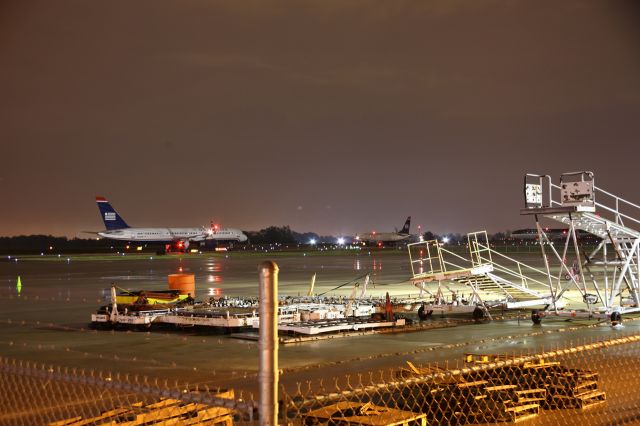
(423, 314)
(616, 318)
(477, 313)
(536, 317)
(378, 316)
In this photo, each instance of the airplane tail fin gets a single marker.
(110, 217)
(405, 228)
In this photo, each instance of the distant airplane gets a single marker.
(387, 237)
(117, 229)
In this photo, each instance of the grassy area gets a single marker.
(93, 257)
(81, 257)
(278, 253)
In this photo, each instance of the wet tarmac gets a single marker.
(47, 321)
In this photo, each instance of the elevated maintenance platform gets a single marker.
(607, 275)
(488, 274)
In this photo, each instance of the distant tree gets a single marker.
(48, 244)
(304, 238)
(430, 236)
(272, 235)
(498, 236)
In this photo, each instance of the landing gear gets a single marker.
(616, 318)
(536, 317)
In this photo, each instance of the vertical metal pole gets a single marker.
(606, 274)
(268, 344)
(541, 240)
(114, 304)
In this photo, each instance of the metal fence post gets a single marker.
(268, 344)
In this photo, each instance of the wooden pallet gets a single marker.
(575, 389)
(166, 412)
(523, 412)
(357, 413)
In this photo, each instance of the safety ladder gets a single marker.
(609, 275)
(488, 273)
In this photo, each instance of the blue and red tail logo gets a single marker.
(110, 216)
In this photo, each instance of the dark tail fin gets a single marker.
(110, 217)
(405, 228)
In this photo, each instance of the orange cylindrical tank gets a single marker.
(185, 283)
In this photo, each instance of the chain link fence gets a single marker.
(35, 394)
(593, 382)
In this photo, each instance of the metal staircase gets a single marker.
(609, 276)
(489, 275)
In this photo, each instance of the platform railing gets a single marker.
(455, 266)
(429, 259)
(476, 249)
(508, 270)
(516, 273)
(433, 259)
(615, 205)
(619, 203)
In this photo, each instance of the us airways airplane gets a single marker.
(117, 229)
(387, 237)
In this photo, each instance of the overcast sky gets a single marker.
(332, 116)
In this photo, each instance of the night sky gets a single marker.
(334, 117)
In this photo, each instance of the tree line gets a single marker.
(49, 244)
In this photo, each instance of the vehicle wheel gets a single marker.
(423, 314)
(536, 317)
(379, 317)
(477, 313)
(616, 318)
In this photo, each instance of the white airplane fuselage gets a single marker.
(166, 235)
(386, 237)
(382, 237)
(118, 229)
